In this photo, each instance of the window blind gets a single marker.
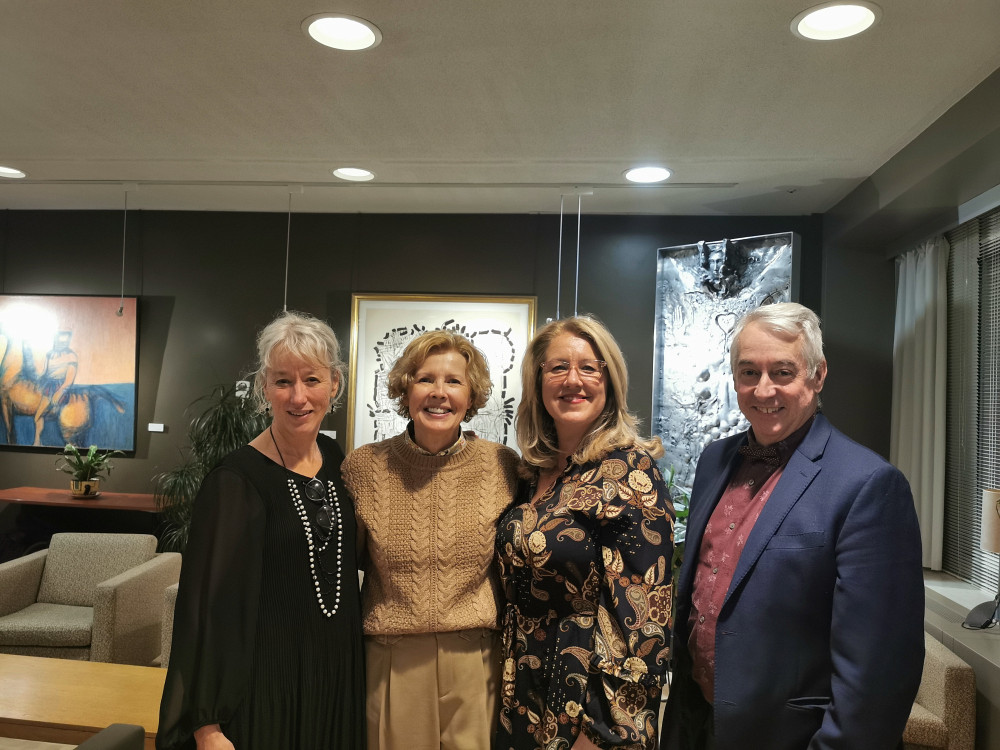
(961, 554)
(973, 411)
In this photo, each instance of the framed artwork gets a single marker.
(702, 289)
(383, 324)
(67, 371)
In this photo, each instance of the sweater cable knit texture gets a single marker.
(430, 523)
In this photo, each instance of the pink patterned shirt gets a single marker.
(722, 543)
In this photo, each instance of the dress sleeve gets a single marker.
(631, 629)
(216, 612)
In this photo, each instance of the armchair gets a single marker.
(116, 737)
(92, 597)
(944, 714)
(167, 631)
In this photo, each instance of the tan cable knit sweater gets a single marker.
(430, 523)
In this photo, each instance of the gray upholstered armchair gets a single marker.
(95, 597)
(167, 633)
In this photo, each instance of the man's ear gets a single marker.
(820, 376)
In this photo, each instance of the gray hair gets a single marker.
(787, 320)
(302, 336)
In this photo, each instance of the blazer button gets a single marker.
(715, 570)
(701, 619)
(732, 526)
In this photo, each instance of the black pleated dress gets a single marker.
(253, 649)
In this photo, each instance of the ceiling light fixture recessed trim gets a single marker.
(836, 20)
(647, 175)
(354, 174)
(12, 174)
(341, 31)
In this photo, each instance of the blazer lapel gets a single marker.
(799, 473)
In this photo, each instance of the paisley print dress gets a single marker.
(586, 570)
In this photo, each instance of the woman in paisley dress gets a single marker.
(584, 556)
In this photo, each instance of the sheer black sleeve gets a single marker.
(216, 612)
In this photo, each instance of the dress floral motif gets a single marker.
(586, 569)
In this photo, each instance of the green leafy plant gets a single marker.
(85, 467)
(681, 502)
(222, 423)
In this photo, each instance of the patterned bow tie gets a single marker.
(767, 454)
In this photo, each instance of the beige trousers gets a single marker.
(434, 690)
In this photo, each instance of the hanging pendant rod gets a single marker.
(292, 189)
(579, 192)
(121, 302)
(576, 291)
(562, 200)
(288, 247)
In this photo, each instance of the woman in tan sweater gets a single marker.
(427, 502)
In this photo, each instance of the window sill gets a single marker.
(947, 602)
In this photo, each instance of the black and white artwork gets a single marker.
(382, 326)
(702, 289)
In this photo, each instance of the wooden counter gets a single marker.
(62, 498)
(67, 701)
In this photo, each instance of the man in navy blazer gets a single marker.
(800, 604)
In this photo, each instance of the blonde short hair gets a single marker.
(614, 428)
(302, 336)
(439, 342)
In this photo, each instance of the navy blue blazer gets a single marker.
(819, 642)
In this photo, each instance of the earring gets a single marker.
(267, 407)
(329, 409)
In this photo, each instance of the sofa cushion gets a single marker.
(57, 625)
(924, 728)
(76, 563)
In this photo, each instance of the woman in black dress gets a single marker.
(267, 649)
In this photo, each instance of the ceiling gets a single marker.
(503, 107)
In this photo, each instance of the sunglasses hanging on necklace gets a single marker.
(328, 528)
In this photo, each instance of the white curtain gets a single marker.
(919, 368)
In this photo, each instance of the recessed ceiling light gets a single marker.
(11, 173)
(836, 20)
(647, 174)
(342, 32)
(354, 174)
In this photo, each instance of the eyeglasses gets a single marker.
(587, 369)
(316, 491)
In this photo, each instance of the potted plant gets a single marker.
(225, 422)
(86, 469)
(680, 500)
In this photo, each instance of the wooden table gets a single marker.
(62, 498)
(67, 701)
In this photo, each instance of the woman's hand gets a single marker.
(583, 743)
(210, 737)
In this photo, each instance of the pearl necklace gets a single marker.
(319, 572)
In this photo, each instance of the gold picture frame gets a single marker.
(381, 326)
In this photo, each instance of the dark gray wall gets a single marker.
(914, 196)
(208, 281)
